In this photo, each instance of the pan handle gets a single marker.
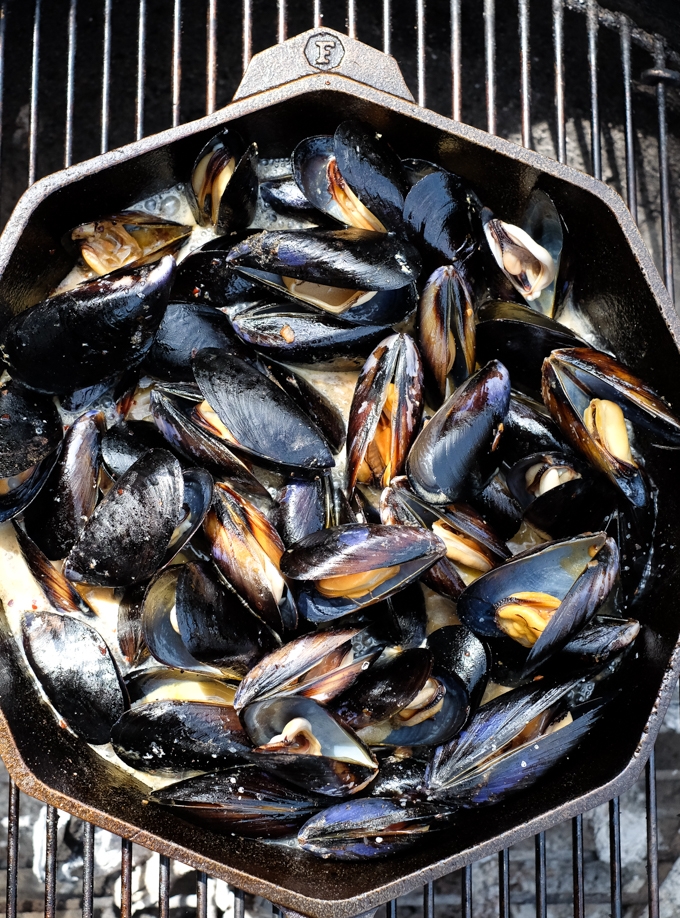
(322, 51)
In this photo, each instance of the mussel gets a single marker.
(224, 182)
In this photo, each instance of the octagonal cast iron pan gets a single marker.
(616, 284)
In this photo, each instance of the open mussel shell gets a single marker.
(446, 451)
(350, 258)
(247, 551)
(126, 538)
(373, 172)
(77, 672)
(224, 182)
(436, 215)
(173, 737)
(544, 596)
(528, 266)
(300, 336)
(196, 501)
(258, 418)
(87, 335)
(59, 592)
(299, 741)
(559, 494)
(244, 800)
(446, 330)
(356, 565)
(172, 418)
(495, 502)
(603, 377)
(595, 427)
(285, 198)
(385, 412)
(528, 429)
(460, 767)
(30, 437)
(127, 240)
(542, 222)
(186, 329)
(521, 339)
(369, 827)
(215, 626)
(319, 665)
(125, 443)
(55, 519)
(515, 767)
(162, 684)
(129, 628)
(402, 776)
(385, 688)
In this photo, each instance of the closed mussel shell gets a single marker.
(88, 334)
(300, 511)
(126, 538)
(196, 501)
(123, 444)
(527, 429)
(447, 449)
(349, 258)
(186, 329)
(299, 741)
(446, 330)
(77, 672)
(370, 827)
(385, 413)
(520, 338)
(285, 198)
(259, 418)
(67, 500)
(436, 214)
(30, 438)
(173, 737)
(355, 565)
(301, 336)
(326, 415)
(243, 800)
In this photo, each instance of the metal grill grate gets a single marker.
(77, 79)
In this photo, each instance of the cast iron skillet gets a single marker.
(330, 78)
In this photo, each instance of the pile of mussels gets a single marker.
(345, 625)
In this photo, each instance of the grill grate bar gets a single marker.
(466, 892)
(351, 19)
(141, 71)
(164, 887)
(211, 58)
(88, 870)
(33, 117)
(490, 48)
(525, 71)
(12, 850)
(247, 33)
(282, 30)
(558, 45)
(578, 866)
(428, 900)
(106, 77)
(613, 21)
(391, 909)
(176, 61)
(125, 878)
(541, 885)
(421, 50)
(594, 101)
(70, 75)
(652, 838)
(615, 856)
(317, 14)
(387, 25)
(504, 883)
(631, 180)
(660, 63)
(201, 895)
(456, 85)
(51, 824)
(239, 903)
